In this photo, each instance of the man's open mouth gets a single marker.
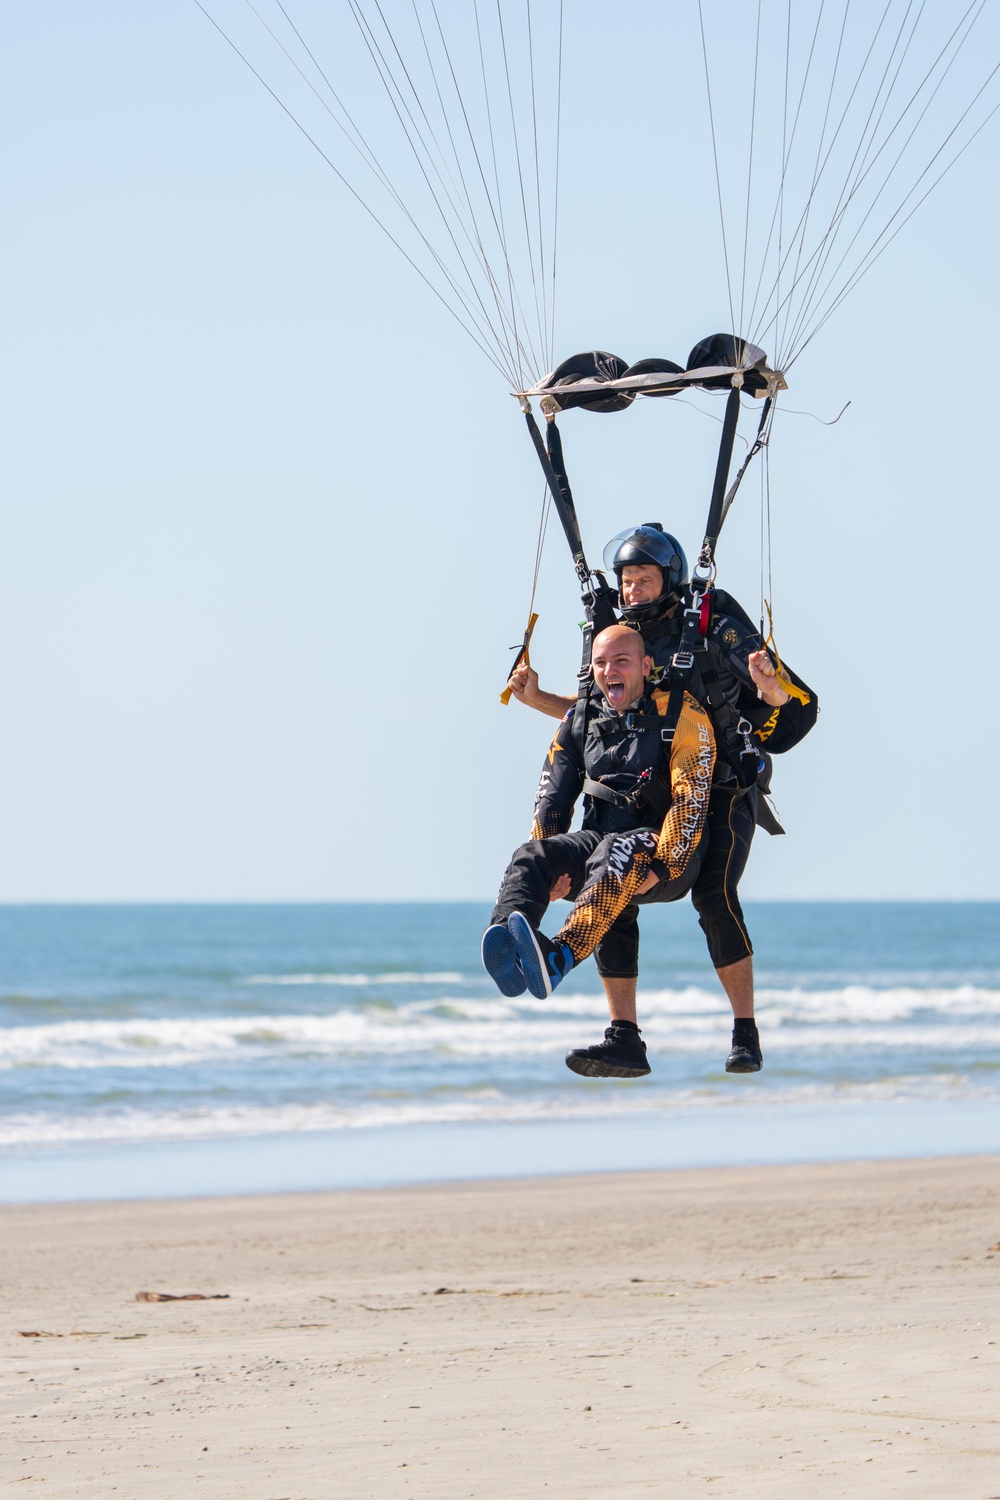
(614, 691)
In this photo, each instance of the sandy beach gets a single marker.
(806, 1331)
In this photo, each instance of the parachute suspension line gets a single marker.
(863, 149)
(787, 150)
(364, 150)
(874, 253)
(784, 160)
(471, 327)
(823, 295)
(505, 312)
(448, 196)
(761, 440)
(767, 598)
(520, 174)
(524, 648)
(738, 332)
(718, 178)
(521, 356)
(524, 356)
(759, 330)
(370, 160)
(817, 169)
(412, 133)
(860, 169)
(546, 349)
(555, 190)
(498, 214)
(553, 450)
(876, 248)
(777, 217)
(543, 526)
(766, 576)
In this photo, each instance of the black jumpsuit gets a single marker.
(623, 840)
(732, 815)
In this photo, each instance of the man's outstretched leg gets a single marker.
(618, 871)
(539, 870)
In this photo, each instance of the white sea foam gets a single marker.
(689, 1020)
(354, 981)
(486, 1106)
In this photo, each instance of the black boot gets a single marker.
(746, 1056)
(622, 1054)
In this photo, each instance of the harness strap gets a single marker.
(604, 793)
(651, 791)
(625, 724)
(671, 718)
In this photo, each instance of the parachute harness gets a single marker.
(749, 368)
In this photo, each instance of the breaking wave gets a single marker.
(27, 1129)
(686, 1020)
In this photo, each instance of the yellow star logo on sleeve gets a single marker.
(555, 745)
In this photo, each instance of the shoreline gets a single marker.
(758, 1331)
(756, 1133)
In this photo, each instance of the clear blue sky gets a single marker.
(268, 516)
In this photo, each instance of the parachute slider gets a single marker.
(599, 381)
(522, 656)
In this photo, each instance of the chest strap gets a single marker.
(604, 793)
(651, 793)
(605, 729)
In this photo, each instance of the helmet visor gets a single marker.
(639, 546)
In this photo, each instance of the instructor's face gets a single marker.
(641, 584)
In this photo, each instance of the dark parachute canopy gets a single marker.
(598, 381)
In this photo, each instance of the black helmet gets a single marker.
(649, 543)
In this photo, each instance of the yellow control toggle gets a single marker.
(522, 656)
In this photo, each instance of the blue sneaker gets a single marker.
(499, 953)
(544, 964)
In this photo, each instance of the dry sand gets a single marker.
(803, 1332)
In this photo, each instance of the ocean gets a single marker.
(163, 1050)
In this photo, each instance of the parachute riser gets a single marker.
(562, 495)
(598, 596)
(722, 498)
(715, 510)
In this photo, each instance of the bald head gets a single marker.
(619, 637)
(620, 663)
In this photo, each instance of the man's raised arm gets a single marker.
(523, 684)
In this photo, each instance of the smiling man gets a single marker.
(645, 772)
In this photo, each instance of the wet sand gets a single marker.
(805, 1331)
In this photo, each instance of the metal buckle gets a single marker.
(683, 659)
(667, 735)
